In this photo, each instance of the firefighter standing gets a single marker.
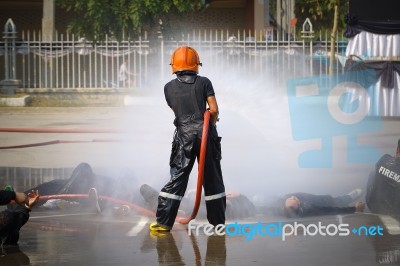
(188, 96)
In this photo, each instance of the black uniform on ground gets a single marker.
(317, 205)
(83, 178)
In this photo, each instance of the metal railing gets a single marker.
(257, 53)
(70, 62)
(24, 178)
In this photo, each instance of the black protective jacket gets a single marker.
(383, 189)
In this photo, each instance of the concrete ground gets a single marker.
(139, 139)
(82, 238)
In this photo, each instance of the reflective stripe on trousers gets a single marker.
(171, 196)
(185, 150)
(215, 196)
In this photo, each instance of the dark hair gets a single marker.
(291, 212)
(398, 144)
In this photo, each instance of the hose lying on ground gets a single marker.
(55, 130)
(202, 157)
(55, 142)
(142, 210)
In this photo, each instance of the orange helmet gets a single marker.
(185, 58)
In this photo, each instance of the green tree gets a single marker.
(321, 13)
(95, 19)
(324, 15)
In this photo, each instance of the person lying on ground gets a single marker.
(82, 180)
(304, 204)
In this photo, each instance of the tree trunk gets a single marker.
(333, 38)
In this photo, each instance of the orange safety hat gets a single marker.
(185, 58)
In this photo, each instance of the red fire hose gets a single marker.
(200, 175)
(201, 163)
(58, 141)
(101, 198)
(55, 130)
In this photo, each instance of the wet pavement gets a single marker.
(87, 238)
(84, 238)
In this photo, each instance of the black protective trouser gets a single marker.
(185, 150)
(11, 221)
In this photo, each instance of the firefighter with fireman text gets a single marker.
(188, 95)
(383, 186)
